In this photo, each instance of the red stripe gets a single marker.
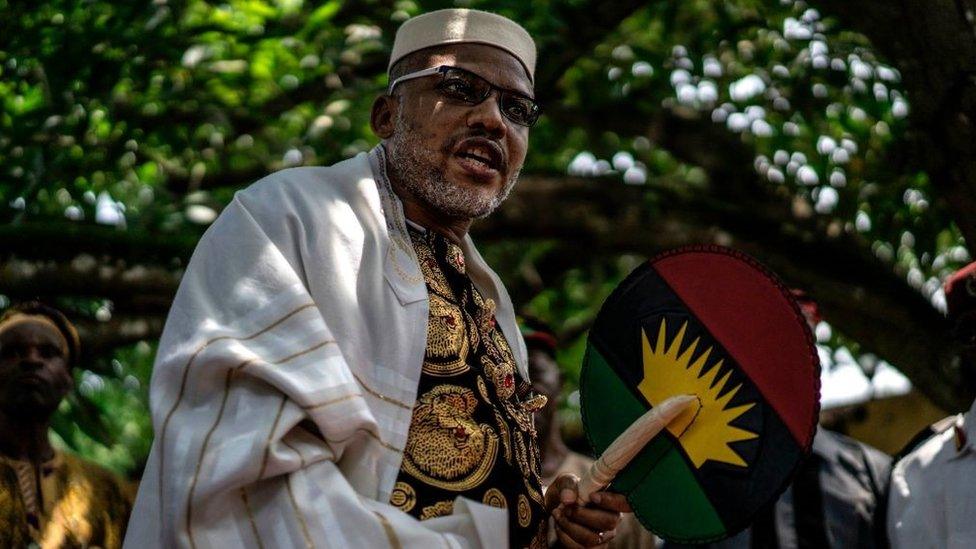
(751, 317)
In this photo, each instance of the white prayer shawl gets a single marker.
(286, 375)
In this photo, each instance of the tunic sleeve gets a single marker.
(255, 412)
(916, 513)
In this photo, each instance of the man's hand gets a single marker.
(591, 525)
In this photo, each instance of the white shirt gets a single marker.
(933, 491)
(287, 372)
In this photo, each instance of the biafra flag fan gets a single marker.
(711, 322)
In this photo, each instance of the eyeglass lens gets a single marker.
(470, 88)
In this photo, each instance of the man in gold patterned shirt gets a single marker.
(48, 498)
(455, 126)
(472, 433)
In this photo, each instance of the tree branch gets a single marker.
(933, 44)
(862, 297)
(134, 290)
(61, 241)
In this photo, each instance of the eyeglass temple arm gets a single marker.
(412, 75)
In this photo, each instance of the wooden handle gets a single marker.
(629, 443)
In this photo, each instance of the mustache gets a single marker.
(454, 141)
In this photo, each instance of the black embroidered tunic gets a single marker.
(471, 433)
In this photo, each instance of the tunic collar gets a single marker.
(403, 272)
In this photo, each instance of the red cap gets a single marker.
(960, 291)
(807, 306)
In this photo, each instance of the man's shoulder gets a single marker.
(832, 442)
(929, 439)
(853, 460)
(924, 450)
(79, 466)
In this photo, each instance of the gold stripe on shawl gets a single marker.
(250, 517)
(182, 392)
(379, 395)
(298, 513)
(390, 533)
(220, 413)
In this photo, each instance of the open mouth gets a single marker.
(480, 155)
(31, 380)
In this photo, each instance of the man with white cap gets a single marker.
(340, 367)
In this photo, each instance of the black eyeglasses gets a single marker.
(467, 87)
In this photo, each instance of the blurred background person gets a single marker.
(557, 458)
(933, 487)
(48, 498)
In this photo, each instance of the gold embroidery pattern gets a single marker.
(446, 339)
(505, 435)
(395, 222)
(527, 455)
(535, 403)
(502, 346)
(524, 511)
(486, 311)
(483, 389)
(428, 265)
(533, 493)
(535, 461)
(398, 243)
(445, 447)
(522, 455)
(452, 445)
(522, 418)
(541, 539)
(455, 257)
(501, 376)
(474, 335)
(439, 509)
(495, 498)
(403, 497)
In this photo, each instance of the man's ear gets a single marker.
(382, 117)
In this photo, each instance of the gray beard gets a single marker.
(415, 169)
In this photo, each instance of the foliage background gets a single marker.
(773, 126)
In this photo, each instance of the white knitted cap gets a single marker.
(457, 26)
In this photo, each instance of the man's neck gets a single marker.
(21, 439)
(425, 215)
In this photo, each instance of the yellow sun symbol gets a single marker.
(704, 429)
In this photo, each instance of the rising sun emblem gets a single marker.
(703, 430)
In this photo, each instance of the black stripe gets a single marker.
(763, 530)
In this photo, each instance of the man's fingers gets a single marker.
(565, 540)
(568, 521)
(562, 490)
(594, 519)
(611, 502)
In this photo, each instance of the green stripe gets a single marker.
(662, 490)
(670, 499)
(607, 399)
(613, 407)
